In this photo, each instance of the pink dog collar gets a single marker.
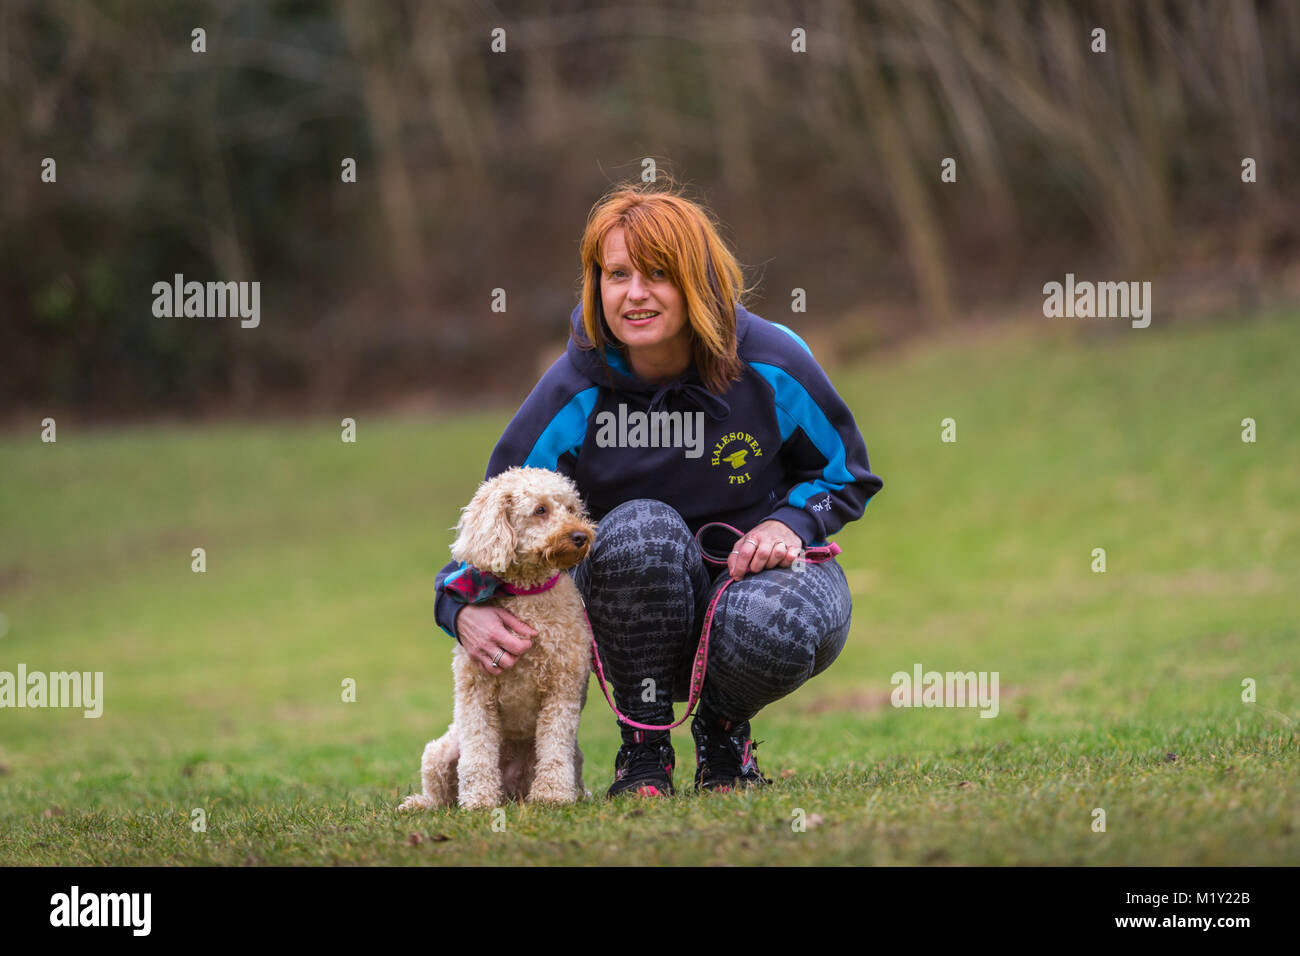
(511, 589)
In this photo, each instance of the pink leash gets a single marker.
(816, 555)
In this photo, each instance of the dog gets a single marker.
(514, 732)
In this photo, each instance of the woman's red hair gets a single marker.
(665, 230)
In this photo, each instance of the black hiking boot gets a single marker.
(724, 755)
(644, 768)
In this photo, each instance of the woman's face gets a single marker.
(623, 290)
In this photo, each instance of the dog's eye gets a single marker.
(541, 510)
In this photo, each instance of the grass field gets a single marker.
(1120, 690)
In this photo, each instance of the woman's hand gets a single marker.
(493, 634)
(769, 545)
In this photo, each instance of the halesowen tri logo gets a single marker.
(737, 449)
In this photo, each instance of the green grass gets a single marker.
(223, 689)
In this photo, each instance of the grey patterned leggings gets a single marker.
(647, 590)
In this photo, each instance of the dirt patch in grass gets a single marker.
(14, 578)
(854, 701)
(865, 701)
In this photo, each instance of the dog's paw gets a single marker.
(480, 801)
(544, 791)
(416, 801)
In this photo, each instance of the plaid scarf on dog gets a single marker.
(471, 585)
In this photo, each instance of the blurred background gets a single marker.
(476, 169)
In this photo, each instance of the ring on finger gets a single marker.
(496, 661)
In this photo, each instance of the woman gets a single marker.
(754, 436)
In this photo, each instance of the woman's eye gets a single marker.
(656, 272)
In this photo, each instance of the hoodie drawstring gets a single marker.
(697, 395)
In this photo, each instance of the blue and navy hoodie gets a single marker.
(779, 444)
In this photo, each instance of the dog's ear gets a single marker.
(487, 537)
(500, 552)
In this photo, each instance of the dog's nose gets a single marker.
(579, 538)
